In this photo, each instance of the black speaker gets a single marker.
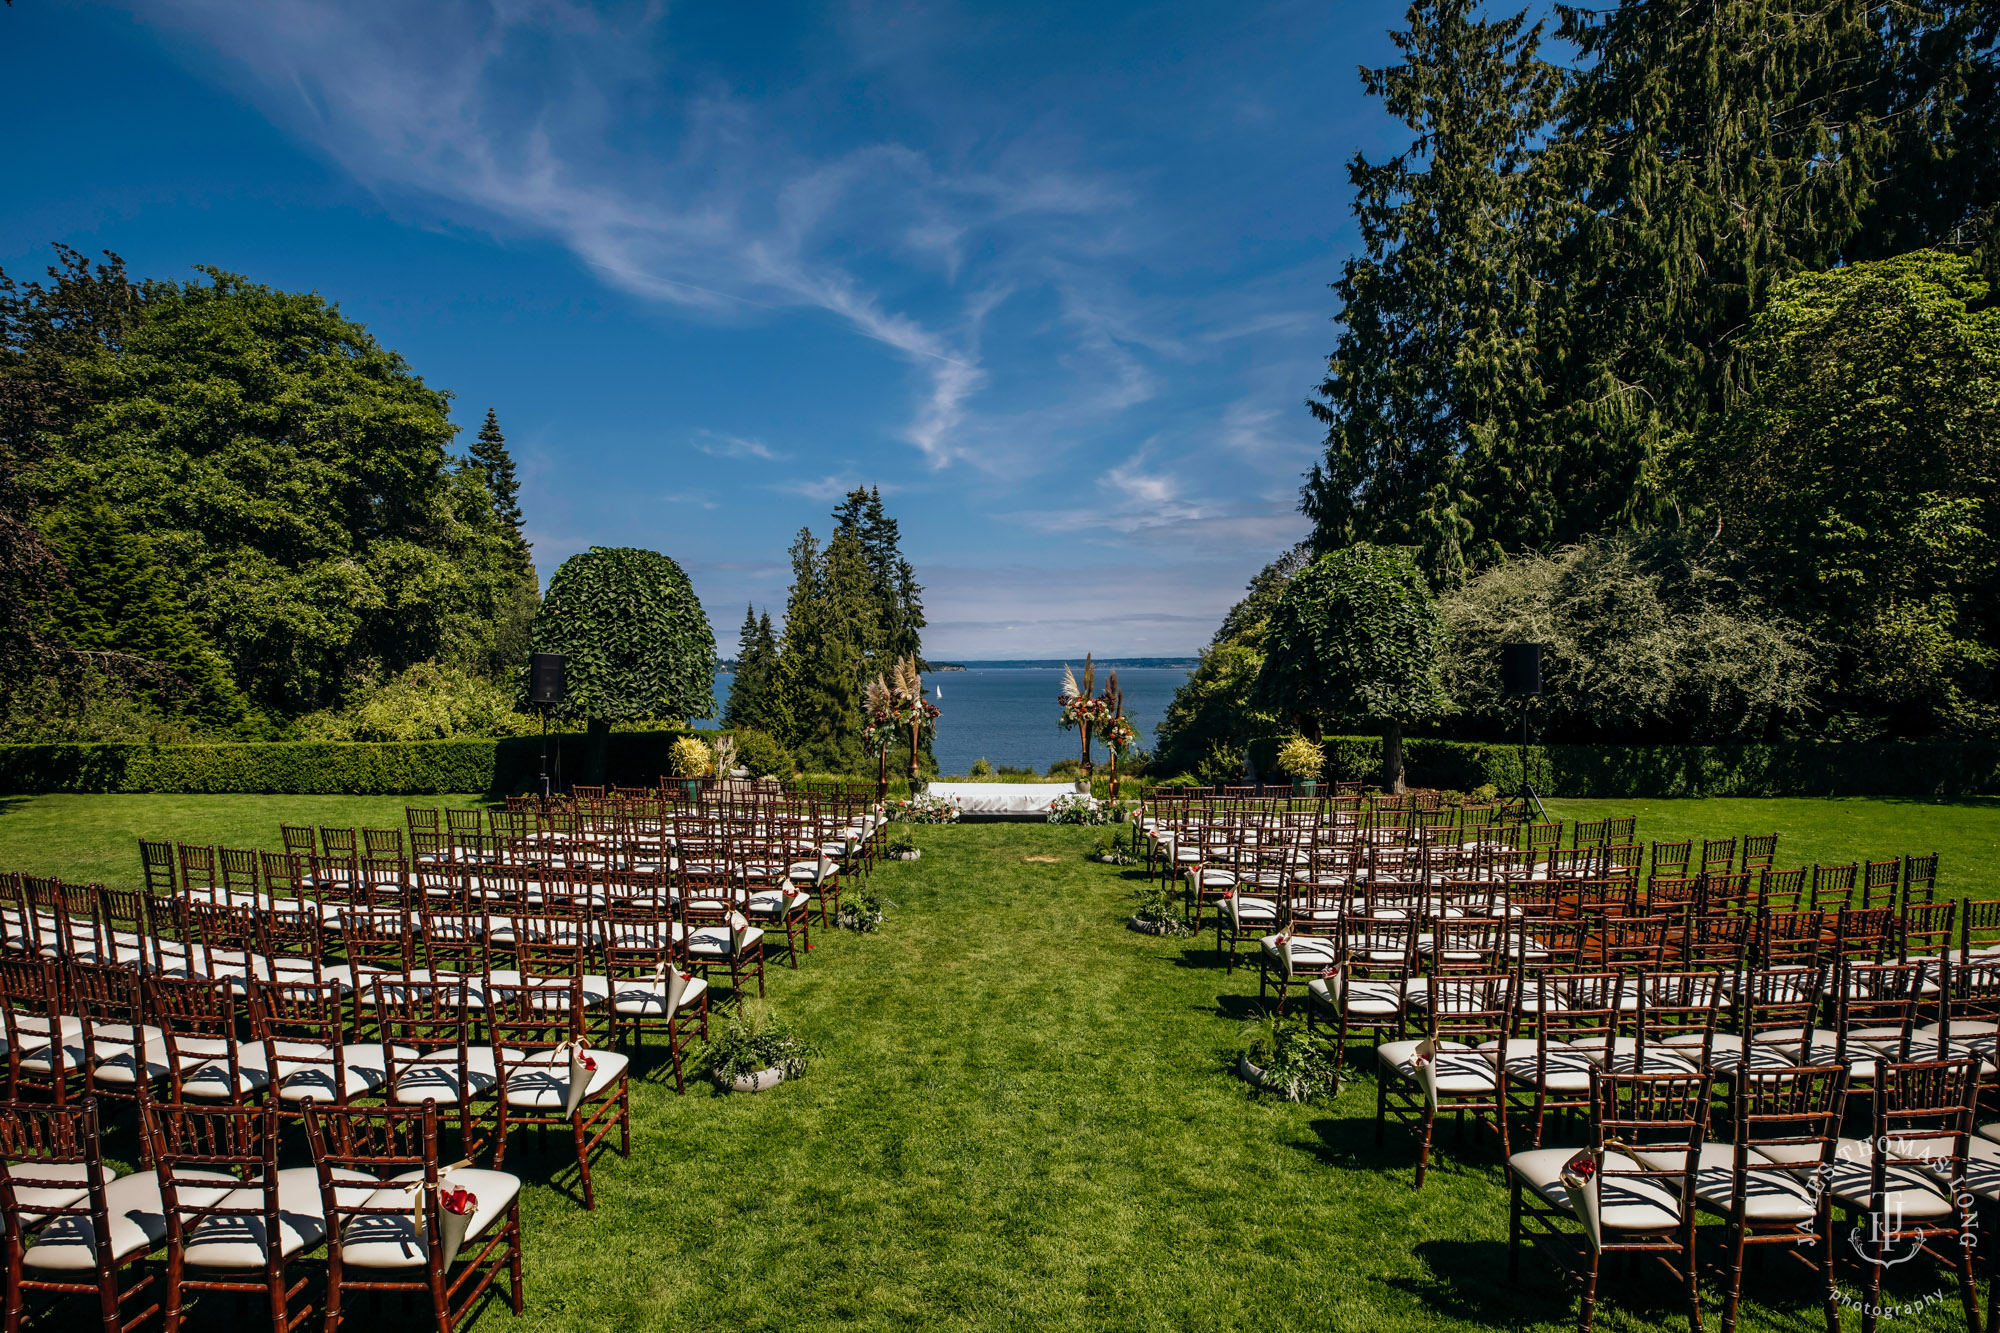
(545, 680)
(1520, 669)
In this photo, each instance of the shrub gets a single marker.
(1654, 637)
(760, 752)
(690, 757)
(1071, 769)
(1301, 759)
(981, 769)
(427, 702)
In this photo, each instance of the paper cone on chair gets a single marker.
(739, 927)
(825, 870)
(454, 1214)
(1425, 1064)
(581, 1067)
(1285, 953)
(673, 985)
(1583, 1181)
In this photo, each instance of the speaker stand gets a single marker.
(1529, 797)
(545, 754)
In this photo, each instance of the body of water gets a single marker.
(1007, 715)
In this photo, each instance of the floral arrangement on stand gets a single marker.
(1116, 731)
(923, 810)
(898, 711)
(1080, 709)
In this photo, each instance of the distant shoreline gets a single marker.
(1058, 663)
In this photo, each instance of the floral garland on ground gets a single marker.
(1077, 809)
(923, 810)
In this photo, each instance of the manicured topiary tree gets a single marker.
(1355, 638)
(637, 642)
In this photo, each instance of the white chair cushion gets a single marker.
(1565, 1069)
(1908, 1185)
(209, 1080)
(436, 1078)
(1460, 1068)
(777, 902)
(650, 997)
(394, 1240)
(114, 1060)
(301, 1075)
(1626, 1203)
(138, 1224)
(1244, 911)
(54, 1195)
(1769, 1196)
(239, 1242)
(713, 941)
(1661, 1058)
(541, 1083)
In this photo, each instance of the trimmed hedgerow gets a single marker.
(1797, 769)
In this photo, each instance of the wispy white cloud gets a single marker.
(718, 445)
(830, 487)
(524, 112)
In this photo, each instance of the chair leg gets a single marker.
(582, 1159)
(1513, 1228)
(1732, 1275)
(1587, 1313)
(1424, 1145)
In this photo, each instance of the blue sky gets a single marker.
(1053, 276)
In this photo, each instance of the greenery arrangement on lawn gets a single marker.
(751, 1040)
(1285, 1059)
(1008, 1092)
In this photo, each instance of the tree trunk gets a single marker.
(596, 751)
(1392, 759)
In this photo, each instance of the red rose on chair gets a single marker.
(457, 1202)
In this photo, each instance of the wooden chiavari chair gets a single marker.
(551, 1078)
(1453, 1067)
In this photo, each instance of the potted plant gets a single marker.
(1302, 759)
(1155, 913)
(1283, 1058)
(691, 759)
(754, 1050)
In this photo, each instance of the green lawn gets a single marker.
(1022, 1116)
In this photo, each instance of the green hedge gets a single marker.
(638, 759)
(1798, 769)
(323, 767)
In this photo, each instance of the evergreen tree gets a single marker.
(751, 701)
(1559, 273)
(897, 597)
(119, 608)
(819, 664)
(1438, 315)
(496, 465)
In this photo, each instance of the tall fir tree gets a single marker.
(752, 693)
(898, 625)
(1435, 359)
(819, 664)
(489, 454)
